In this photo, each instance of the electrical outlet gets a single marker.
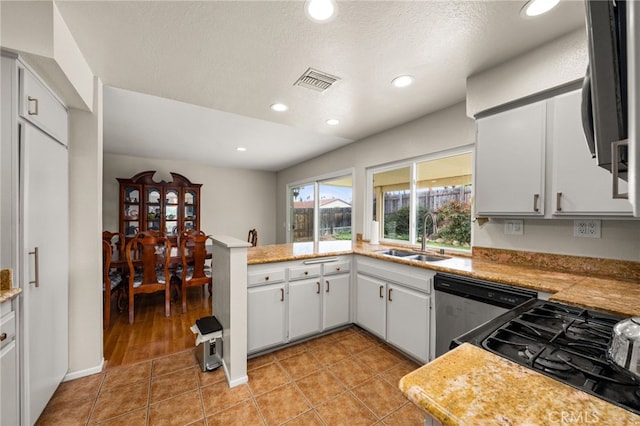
(513, 227)
(586, 228)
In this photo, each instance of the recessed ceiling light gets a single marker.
(241, 149)
(402, 81)
(320, 10)
(333, 122)
(538, 7)
(279, 107)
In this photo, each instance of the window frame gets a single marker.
(316, 181)
(412, 164)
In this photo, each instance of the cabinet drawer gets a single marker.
(340, 267)
(265, 277)
(307, 271)
(40, 107)
(8, 327)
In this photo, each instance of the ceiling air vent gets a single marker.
(316, 80)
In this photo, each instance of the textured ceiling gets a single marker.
(240, 57)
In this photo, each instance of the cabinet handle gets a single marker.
(327, 286)
(37, 267)
(536, 197)
(390, 299)
(35, 101)
(318, 290)
(380, 292)
(558, 198)
(282, 294)
(614, 169)
(338, 268)
(306, 272)
(3, 336)
(266, 278)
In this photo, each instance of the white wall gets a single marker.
(436, 132)
(233, 200)
(85, 247)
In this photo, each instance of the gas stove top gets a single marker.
(564, 342)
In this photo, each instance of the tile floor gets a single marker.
(345, 378)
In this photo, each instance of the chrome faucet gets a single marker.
(427, 216)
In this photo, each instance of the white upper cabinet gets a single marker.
(533, 161)
(579, 187)
(509, 172)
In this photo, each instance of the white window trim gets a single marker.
(410, 162)
(316, 203)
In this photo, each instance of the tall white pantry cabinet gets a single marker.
(35, 214)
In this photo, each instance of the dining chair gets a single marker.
(148, 260)
(116, 241)
(111, 283)
(253, 237)
(193, 272)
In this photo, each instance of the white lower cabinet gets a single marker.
(8, 366)
(266, 320)
(371, 306)
(408, 320)
(394, 303)
(335, 306)
(304, 308)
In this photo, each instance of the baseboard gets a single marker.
(236, 382)
(82, 373)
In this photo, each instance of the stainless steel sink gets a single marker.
(396, 253)
(427, 257)
(410, 255)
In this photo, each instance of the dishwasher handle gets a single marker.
(483, 291)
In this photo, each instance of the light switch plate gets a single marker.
(514, 227)
(586, 228)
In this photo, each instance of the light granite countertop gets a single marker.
(9, 294)
(471, 386)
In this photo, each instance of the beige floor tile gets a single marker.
(407, 415)
(218, 397)
(300, 365)
(320, 386)
(127, 375)
(266, 378)
(320, 342)
(78, 389)
(331, 353)
(260, 361)
(379, 360)
(245, 413)
(357, 342)
(345, 410)
(394, 375)
(343, 333)
(290, 351)
(173, 384)
(206, 378)
(351, 372)
(379, 396)
(310, 418)
(282, 404)
(120, 400)
(67, 413)
(179, 411)
(174, 362)
(134, 418)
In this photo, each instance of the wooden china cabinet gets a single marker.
(165, 207)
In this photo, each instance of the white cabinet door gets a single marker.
(304, 308)
(335, 308)
(44, 189)
(579, 186)
(371, 305)
(408, 321)
(9, 385)
(510, 152)
(266, 326)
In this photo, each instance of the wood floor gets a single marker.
(152, 334)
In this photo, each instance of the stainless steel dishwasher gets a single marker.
(463, 304)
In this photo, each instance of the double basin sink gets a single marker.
(410, 255)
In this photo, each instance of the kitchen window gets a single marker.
(436, 188)
(321, 209)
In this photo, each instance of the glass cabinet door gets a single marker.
(190, 209)
(171, 212)
(131, 210)
(153, 209)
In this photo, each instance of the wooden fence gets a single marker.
(332, 221)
